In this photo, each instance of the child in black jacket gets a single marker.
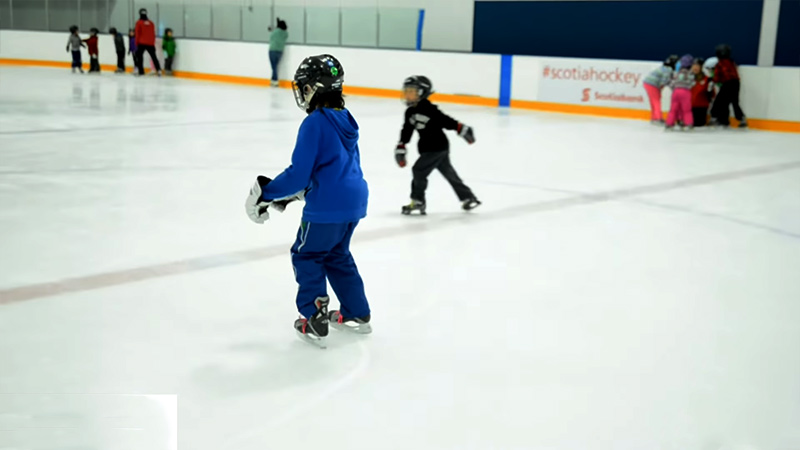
(434, 148)
(119, 46)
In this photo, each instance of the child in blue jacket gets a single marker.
(326, 173)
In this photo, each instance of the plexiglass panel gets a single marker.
(93, 14)
(198, 21)
(30, 15)
(5, 14)
(360, 27)
(256, 20)
(398, 28)
(227, 20)
(171, 16)
(121, 17)
(64, 14)
(294, 16)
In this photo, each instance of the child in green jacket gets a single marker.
(169, 46)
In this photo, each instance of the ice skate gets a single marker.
(315, 329)
(415, 205)
(470, 204)
(274, 83)
(358, 325)
(743, 123)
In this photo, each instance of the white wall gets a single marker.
(767, 92)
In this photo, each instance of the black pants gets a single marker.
(168, 63)
(700, 116)
(728, 95)
(121, 60)
(76, 60)
(151, 50)
(426, 164)
(94, 63)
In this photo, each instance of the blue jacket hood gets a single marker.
(345, 126)
(327, 168)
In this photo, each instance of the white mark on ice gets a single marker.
(109, 279)
(302, 405)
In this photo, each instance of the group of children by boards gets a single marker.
(699, 88)
(140, 40)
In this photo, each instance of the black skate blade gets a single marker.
(315, 341)
(362, 328)
(469, 208)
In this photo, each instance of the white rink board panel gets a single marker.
(767, 93)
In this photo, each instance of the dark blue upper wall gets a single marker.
(787, 48)
(643, 30)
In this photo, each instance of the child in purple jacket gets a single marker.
(132, 48)
(682, 82)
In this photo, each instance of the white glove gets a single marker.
(255, 206)
(280, 204)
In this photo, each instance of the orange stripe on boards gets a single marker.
(604, 111)
(56, 64)
(601, 111)
(250, 81)
(625, 113)
(774, 125)
(32, 62)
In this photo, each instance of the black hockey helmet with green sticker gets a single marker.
(317, 75)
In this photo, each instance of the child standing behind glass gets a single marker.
(682, 82)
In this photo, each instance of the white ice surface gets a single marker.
(551, 318)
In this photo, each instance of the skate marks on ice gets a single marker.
(145, 126)
(413, 226)
(663, 206)
(260, 431)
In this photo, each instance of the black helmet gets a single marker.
(73, 28)
(143, 12)
(316, 75)
(671, 61)
(422, 84)
(723, 51)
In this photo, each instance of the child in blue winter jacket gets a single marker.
(326, 173)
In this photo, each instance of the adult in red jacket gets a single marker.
(145, 33)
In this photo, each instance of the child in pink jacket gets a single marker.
(682, 82)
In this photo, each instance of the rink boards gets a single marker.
(770, 95)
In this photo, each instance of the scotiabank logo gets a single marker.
(610, 97)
